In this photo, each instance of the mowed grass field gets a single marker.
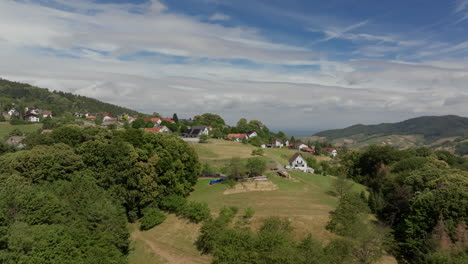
(6, 128)
(305, 200)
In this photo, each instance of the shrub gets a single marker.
(173, 203)
(257, 152)
(196, 212)
(248, 213)
(204, 139)
(152, 218)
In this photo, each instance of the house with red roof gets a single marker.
(46, 113)
(155, 120)
(160, 129)
(237, 137)
(170, 120)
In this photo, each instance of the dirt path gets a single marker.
(169, 255)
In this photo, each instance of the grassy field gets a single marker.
(218, 149)
(305, 200)
(6, 128)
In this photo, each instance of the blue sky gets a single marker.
(296, 65)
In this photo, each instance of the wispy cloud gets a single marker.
(219, 17)
(336, 32)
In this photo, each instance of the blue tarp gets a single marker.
(217, 181)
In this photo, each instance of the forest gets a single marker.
(68, 197)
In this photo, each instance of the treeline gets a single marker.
(20, 95)
(422, 195)
(67, 197)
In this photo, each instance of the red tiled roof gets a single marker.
(47, 112)
(91, 117)
(153, 129)
(153, 119)
(106, 114)
(230, 136)
(168, 120)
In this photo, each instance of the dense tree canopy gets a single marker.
(67, 198)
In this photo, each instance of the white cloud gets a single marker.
(219, 17)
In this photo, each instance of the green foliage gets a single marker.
(139, 123)
(196, 211)
(151, 218)
(258, 152)
(209, 119)
(57, 101)
(42, 163)
(350, 212)
(16, 132)
(173, 203)
(204, 138)
(235, 169)
(256, 166)
(249, 213)
(57, 222)
(462, 148)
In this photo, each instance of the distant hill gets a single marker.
(431, 128)
(22, 95)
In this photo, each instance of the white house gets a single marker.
(301, 146)
(333, 153)
(46, 113)
(278, 143)
(196, 131)
(31, 118)
(263, 146)
(13, 112)
(252, 134)
(297, 162)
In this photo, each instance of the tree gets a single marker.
(342, 186)
(235, 169)
(175, 118)
(256, 166)
(151, 218)
(139, 123)
(209, 119)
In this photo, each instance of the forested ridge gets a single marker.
(24, 95)
(431, 127)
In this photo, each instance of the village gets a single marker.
(186, 129)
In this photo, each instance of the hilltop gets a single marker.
(22, 95)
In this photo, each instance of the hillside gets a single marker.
(430, 128)
(22, 95)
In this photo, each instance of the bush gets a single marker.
(196, 212)
(173, 203)
(249, 213)
(257, 152)
(204, 139)
(152, 217)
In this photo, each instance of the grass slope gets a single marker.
(6, 128)
(306, 201)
